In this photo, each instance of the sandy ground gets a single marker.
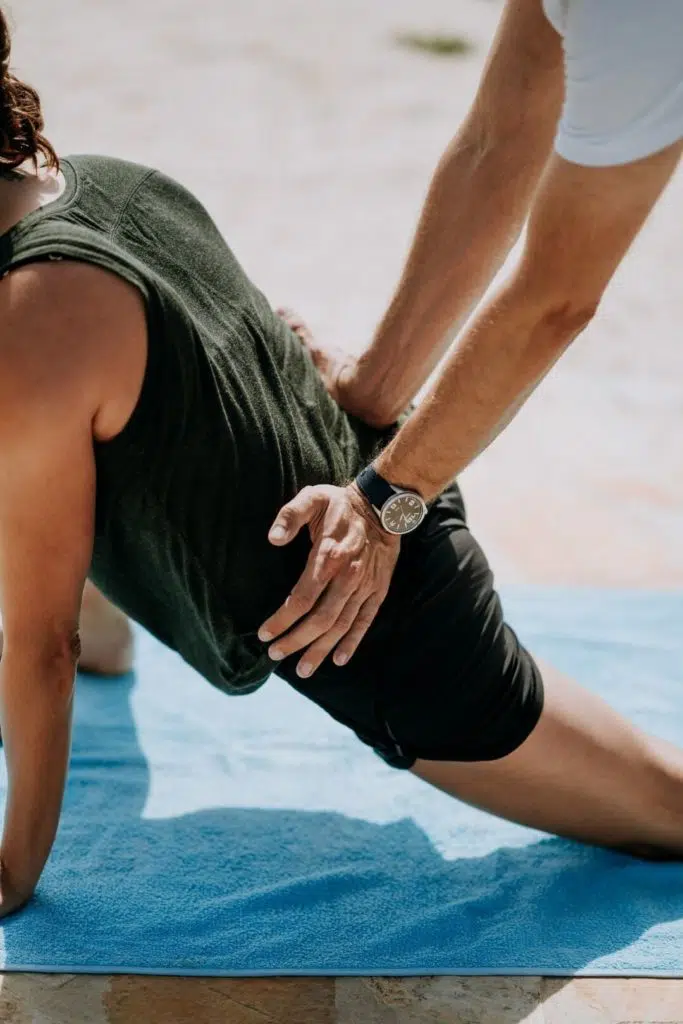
(311, 136)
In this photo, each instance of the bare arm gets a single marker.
(582, 223)
(46, 528)
(475, 208)
(583, 220)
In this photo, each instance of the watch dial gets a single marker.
(403, 513)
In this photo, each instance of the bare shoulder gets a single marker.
(68, 330)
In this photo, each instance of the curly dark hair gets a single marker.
(21, 118)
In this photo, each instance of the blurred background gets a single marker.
(310, 130)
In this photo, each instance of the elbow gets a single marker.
(50, 660)
(560, 322)
(59, 655)
(553, 329)
(555, 315)
(557, 295)
(60, 648)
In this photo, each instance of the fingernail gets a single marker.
(265, 635)
(304, 669)
(341, 659)
(275, 654)
(277, 533)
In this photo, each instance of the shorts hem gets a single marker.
(404, 759)
(616, 154)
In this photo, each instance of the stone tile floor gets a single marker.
(69, 999)
(313, 156)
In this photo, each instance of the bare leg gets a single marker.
(584, 773)
(106, 635)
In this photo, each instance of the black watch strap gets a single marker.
(375, 488)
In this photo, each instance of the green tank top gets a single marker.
(232, 421)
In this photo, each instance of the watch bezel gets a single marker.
(392, 500)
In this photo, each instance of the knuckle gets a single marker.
(361, 530)
(351, 642)
(324, 620)
(353, 582)
(317, 654)
(366, 618)
(346, 620)
(304, 500)
(356, 544)
(328, 547)
(340, 557)
(298, 602)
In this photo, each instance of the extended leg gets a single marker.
(584, 773)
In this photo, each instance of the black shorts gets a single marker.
(439, 675)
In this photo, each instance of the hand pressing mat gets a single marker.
(204, 834)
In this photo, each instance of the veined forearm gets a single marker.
(514, 408)
(35, 705)
(475, 209)
(510, 347)
(577, 237)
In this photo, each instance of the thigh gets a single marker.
(584, 772)
(455, 682)
(440, 675)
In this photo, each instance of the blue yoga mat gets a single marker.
(211, 835)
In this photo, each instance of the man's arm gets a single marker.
(475, 208)
(583, 221)
(46, 528)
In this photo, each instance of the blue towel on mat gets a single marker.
(211, 835)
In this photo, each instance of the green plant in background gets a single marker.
(437, 44)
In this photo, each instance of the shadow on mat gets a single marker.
(257, 890)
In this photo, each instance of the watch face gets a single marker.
(403, 513)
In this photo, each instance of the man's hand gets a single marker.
(337, 369)
(345, 581)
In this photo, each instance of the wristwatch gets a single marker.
(399, 511)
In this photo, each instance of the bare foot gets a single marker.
(106, 636)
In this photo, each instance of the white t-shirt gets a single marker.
(623, 78)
